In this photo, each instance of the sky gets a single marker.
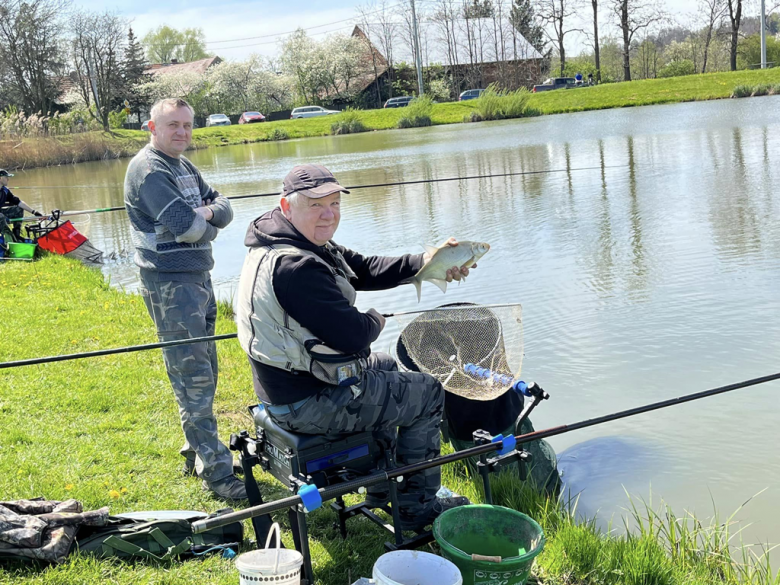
(236, 29)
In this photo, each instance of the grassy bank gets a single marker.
(95, 146)
(105, 431)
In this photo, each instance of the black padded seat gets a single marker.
(298, 441)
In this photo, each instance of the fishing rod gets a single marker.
(162, 344)
(328, 493)
(372, 186)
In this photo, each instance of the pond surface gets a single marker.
(653, 273)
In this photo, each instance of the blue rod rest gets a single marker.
(311, 497)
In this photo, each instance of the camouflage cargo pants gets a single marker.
(386, 399)
(181, 310)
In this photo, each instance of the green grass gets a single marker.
(42, 152)
(105, 431)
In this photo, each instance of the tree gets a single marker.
(524, 20)
(165, 44)
(596, 52)
(161, 44)
(633, 16)
(735, 19)
(98, 44)
(556, 13)
(31, 42)
(133, 67)
(193, 45)
(712, 11)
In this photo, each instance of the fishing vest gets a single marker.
(270, 336)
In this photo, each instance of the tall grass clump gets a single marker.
(762, 89)
(417, 113)
(499, 104)
(742, 91)
(277, 134)
(348, 122)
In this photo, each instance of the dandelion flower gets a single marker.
(68, 487)
(114, 494)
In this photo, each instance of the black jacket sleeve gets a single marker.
(381, 272)
(307, 290)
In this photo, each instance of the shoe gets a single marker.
(230, 488)
(440, 506)
(188, 469)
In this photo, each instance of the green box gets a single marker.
(19, 250)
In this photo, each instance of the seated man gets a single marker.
(11, 207)
(296, 286)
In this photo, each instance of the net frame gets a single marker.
(464, 346)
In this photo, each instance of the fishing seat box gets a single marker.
(327, 459)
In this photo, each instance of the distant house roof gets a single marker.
(199, 66)
(371, 56)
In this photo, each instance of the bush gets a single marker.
(742, 91)
(278, 134)
(677, 68)
(500, 104)
(762, 89)
(117, 119)
(348, 122)
(417, 113)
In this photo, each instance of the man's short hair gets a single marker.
(295, 199)
(161, 106)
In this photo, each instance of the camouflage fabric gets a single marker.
(383, 400)
(181, 310)
(43, 529)
(12, 231)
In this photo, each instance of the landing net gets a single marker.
(474, 351)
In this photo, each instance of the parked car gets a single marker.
(311, 112)
(249, 117)
(399, 102)
(145, 126)
(555, 83)
(217, 120)
(470, 94)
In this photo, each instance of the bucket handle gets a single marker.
(275, 527)
(488, 558)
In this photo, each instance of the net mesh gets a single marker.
(474, 351)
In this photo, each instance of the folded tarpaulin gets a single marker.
(43, 529)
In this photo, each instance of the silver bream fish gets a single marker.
(464, 255)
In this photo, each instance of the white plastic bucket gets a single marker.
(411, 567)
(279, 566)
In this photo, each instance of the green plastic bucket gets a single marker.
(20, 250)
(469, 534)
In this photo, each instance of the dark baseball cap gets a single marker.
(4, 173)
(313, 181)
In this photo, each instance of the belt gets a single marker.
(283, 409)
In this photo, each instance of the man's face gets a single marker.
(3, 181)
(172, 131)
(316, 219)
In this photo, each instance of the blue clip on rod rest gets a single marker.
(508, 445)
(505, 380)
(311, 497)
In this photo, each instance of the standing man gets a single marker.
(11, 207)
(175, 215)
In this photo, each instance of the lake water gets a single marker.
(653, 273)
